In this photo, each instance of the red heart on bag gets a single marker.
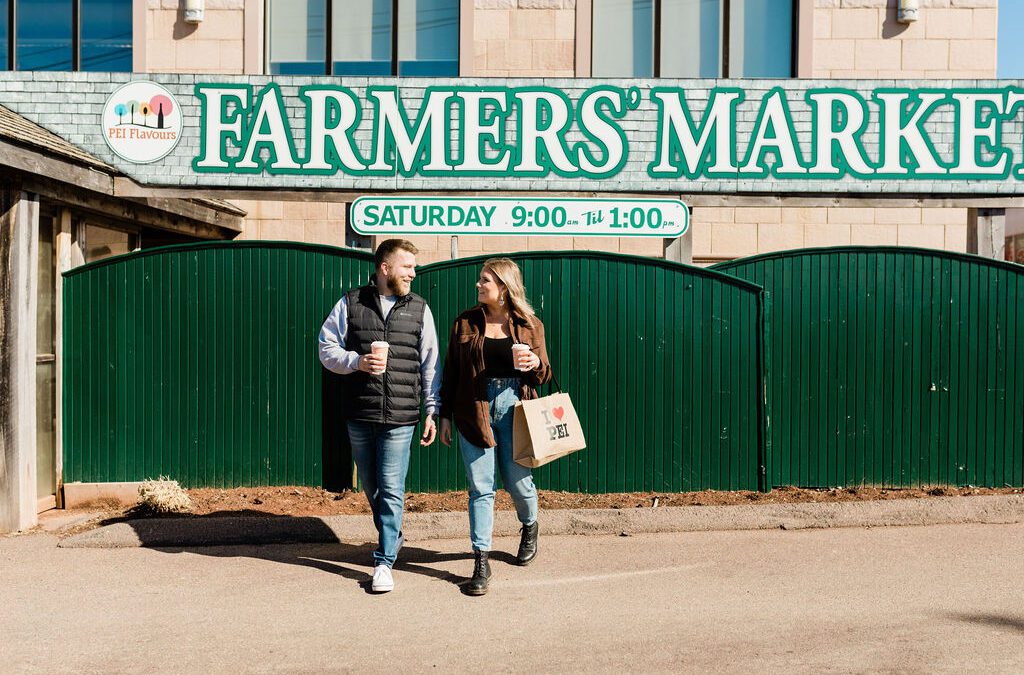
(558, 412)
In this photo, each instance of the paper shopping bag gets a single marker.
(545, 429)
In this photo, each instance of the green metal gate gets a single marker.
(662, 361)
(199, 362)
(892, 366)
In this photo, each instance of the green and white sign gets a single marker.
(570, 136)
(513, 216)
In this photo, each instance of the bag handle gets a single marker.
(552, 386)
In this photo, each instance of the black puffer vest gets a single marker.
(394, 397)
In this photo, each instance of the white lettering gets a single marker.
(278, 135)
(969, 133)
(677, 130)
(532, 136)
(895, 133)
(321, 102)
(827, 136)
(433, 119)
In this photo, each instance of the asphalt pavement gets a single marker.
(848, 595)
(944, 598)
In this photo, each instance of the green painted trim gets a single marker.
(206, 245)
(911, 250)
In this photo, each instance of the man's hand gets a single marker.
(372, 363)
(429, 431)
(446, 431)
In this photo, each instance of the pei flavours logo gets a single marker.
(141, 122)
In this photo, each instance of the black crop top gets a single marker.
(498, 358)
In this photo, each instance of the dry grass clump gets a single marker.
(164, 495)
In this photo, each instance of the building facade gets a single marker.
(71, 200)
(829, 39)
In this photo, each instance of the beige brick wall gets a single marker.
(214, 46)
(324, 223)
(309, 222)
(862, 39)
(433, 249)
(534, 38)
(524, 38)
(733, 232)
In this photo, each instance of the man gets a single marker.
(382, 392)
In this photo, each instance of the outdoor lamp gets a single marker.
(907, 11)
(193, 11)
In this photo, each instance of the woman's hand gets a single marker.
(446, 431)
(528, 360)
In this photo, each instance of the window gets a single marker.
(40, 35)
(686, 38)
(362, 37)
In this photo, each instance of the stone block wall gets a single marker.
(524, 38)
(309, 222)
(852, 39)
(731, 232)
(862, 39)
(325, 223)
(217, 45)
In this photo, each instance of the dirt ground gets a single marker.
(306, 501)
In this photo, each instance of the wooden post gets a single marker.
(986, 232)
(19, 239)
(680, 249)
(65, 256)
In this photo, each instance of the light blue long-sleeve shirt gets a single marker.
(342, 361)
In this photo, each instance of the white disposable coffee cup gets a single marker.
(517, 351)
(380, 348)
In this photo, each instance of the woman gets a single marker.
(481, 384)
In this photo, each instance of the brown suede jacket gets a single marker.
(463, 386)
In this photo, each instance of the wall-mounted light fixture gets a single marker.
(907, 11)
(193, 11)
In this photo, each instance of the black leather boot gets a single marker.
(481, 574)
(528, 544)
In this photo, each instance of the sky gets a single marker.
(1010, 61)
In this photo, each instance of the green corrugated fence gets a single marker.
(199, 362)
(662, 362)
(892, 366)
(883, 366)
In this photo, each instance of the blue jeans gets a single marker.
(503, 394)
(381, 454)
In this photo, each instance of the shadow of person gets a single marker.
(1003, 621)
(294, 540)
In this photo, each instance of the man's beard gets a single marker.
(398, 286)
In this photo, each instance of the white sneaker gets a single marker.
(382, 579)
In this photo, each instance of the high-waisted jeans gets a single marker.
(480, 463)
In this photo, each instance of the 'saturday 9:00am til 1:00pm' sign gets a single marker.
(512, 216)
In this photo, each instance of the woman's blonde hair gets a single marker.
(508, 274)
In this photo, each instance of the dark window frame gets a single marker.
(329, 37)
(76, 36)
(725, 41)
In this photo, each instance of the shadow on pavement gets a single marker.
(258, 535)
(1014, 623)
